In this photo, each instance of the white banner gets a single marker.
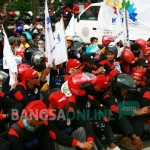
(138, 14)
(60, 52)
(49, 39)
(17, 59)
(70, 30)
(10, 59)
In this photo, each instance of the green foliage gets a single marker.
(55, 4)
(22, 6)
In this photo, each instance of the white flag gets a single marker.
(110, 19)
(60, 53)
(10, 60)
(49, 39)
(70, 30)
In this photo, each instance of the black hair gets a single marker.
(92, 39)
(34, 35)
(135, 47)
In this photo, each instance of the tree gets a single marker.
(22, 6)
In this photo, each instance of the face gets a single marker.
(36, 38)
(95, 41)
(110, 56)
(69, 43)
(143, 68)
(35, 81)
(137, 80)
(137, 53)
(40, 30)
(123, 92)
(90, 65)
(74, 70)
(22, 39)
(147, 54)
(37, 122)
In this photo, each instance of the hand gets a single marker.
(47, 71)
(15, 84)
(85, 145)
(73, 71)
(100, 70)
(144, 111)
(116, 63)
(54, 66)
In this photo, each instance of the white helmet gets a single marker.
(39, 26)
(17, 13)
(30, 12)
(26, 27)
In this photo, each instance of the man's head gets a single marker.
(13, 40)
(31, 78)
(69, 40)
(138, 76)
(94, 40)
(58, 100)
(36, 113)
(136, 49)
(88, 59)
(142, 64)
(23, 38)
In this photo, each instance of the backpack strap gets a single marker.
(18, 129)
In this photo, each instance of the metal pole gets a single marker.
(127, 42)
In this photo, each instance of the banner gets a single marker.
(49, 39)
(70, 30)
(60, 52)
(17, 59)
(112, 17)
(10, 60)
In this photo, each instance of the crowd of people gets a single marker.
(69, 111)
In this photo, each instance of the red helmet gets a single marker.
(77, 83)
(11, 13)
(141, 42)
(58, 99)
(72, 63)
(107, 39)
(21, 69)
(101, 82)
(138, 73)
(127, 56)
(145, 49)
(112, 73)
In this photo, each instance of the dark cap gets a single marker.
(142, 62)
(12, 39)
(88, 58)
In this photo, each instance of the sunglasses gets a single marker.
(77, 67)
(36, 77)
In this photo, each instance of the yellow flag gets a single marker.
(112, 3)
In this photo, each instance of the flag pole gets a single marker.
(127, 42)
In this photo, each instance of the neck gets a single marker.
(23, 43)
(30, 122)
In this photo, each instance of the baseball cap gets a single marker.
(37, 109)
(88, 58)
(138, 73)
(142, 62)
(101, 82)
(12, 39)
(58, 99)
(29, 74)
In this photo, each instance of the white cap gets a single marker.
(26, 27)
(39, 26)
